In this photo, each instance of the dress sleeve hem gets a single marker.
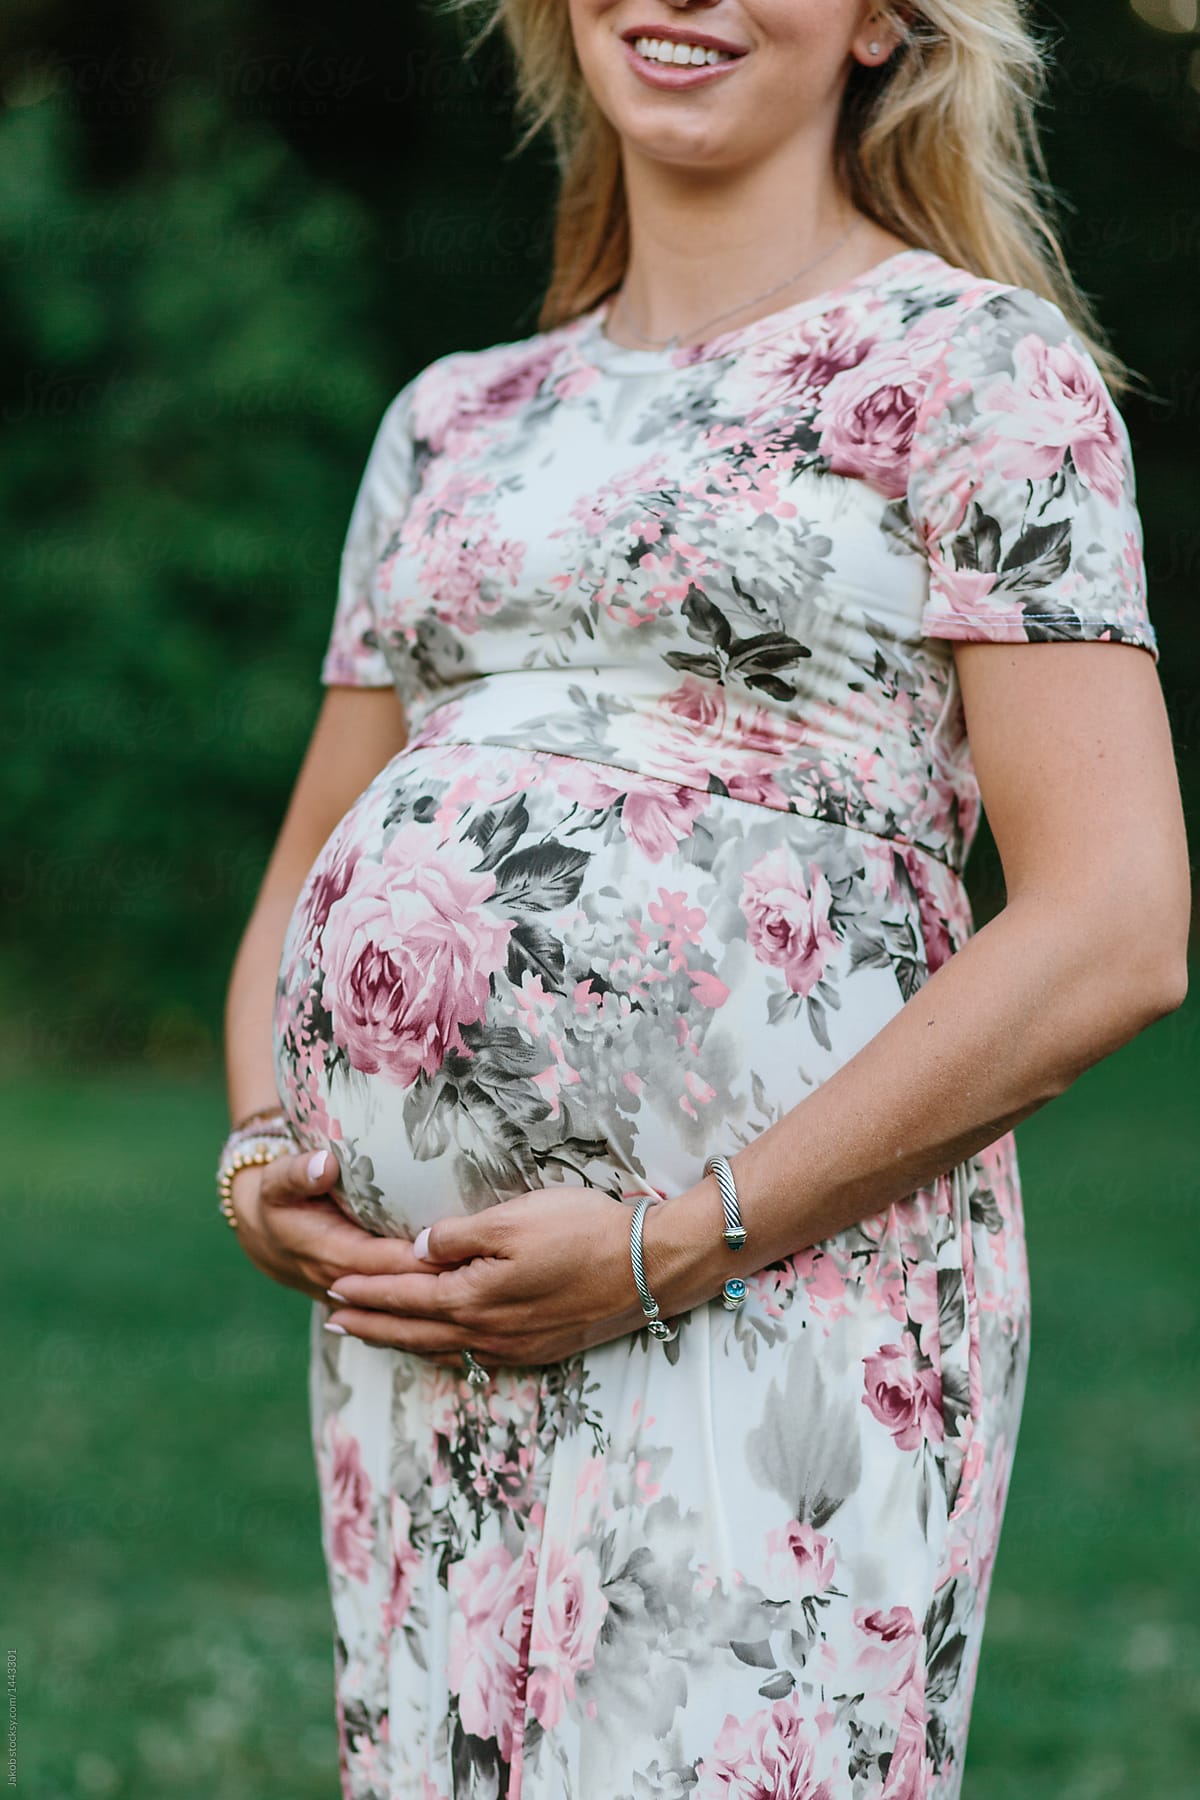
(986, 627)
(337, 671)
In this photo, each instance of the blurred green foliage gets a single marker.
(228, 234)
(164, 1587)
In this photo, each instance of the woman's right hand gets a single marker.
(294, 1233)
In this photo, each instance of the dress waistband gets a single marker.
(696, 736)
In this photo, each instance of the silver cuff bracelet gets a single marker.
(734, 1232)
(656, 1325)
(733, 1294)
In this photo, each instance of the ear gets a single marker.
(875, 40)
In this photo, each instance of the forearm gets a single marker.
(1004, 1025)
(249, 1007)
(357, 732)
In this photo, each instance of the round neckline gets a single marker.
(603, 352)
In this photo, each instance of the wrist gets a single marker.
(272, 1113)
(687, 1260)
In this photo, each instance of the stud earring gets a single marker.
(873, 49)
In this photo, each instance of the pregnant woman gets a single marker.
(677, 647)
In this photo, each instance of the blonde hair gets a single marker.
(939, 145)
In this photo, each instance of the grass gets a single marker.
(163, 1583)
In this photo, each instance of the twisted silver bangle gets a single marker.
(733, 1294)
(734, 1232)
(656, 1325)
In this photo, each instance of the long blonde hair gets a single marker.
(939, 145)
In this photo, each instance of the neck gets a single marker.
(709, 242)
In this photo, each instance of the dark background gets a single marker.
(230, 230)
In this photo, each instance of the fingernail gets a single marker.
(316, 1165)
(421, 1244)
(340, 1298)
(340, 1329)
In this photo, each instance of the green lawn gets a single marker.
(163, 1583)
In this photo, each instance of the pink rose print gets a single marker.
(787, 919)
(410, 949)
(830, 343)
(658, 819)
(905, 1399)
(466, 573)
(328, 882)
(907, 1771)
(450, 410)
(565, 1631)
(800, 1559)
(867, 417)
(960, 593)
(698, 703)
(935, 932)
(347, 1490)
(887, 1649)
(514, 385)
(769, 1757)
(483, 1666)
(406, 1562)
(1055, 403)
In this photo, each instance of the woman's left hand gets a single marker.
(534, 1279)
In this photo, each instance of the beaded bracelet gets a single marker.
(252, 1153)
(277, 1124)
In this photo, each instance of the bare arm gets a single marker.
(357, 731)
(1076, 770)
(1072, 749)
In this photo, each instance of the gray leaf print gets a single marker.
(806, 1447)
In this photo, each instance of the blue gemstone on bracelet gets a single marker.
(733, 1293)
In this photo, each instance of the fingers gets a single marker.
(418, 1295)
(458, 1239)
(425, 1337)
(297, 1177)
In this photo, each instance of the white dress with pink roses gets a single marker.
(681, 825)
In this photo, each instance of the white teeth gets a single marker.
(664, 51)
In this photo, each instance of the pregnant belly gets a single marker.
(511, 969)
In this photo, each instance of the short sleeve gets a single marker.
(353, 657)
(1021, 486)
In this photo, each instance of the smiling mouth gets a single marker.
(683, 55)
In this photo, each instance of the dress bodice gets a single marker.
(740, 566)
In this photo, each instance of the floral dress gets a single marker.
(680, 826)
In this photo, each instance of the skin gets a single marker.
(730, 187)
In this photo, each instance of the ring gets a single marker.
(477, 1375)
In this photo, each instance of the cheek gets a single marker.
(593, 23)
(805, 45)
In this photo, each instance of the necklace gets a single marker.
(672, 343)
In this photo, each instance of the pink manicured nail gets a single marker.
(340, 1329)
(340, 1298)
(421, 1244)
(316, 1165)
